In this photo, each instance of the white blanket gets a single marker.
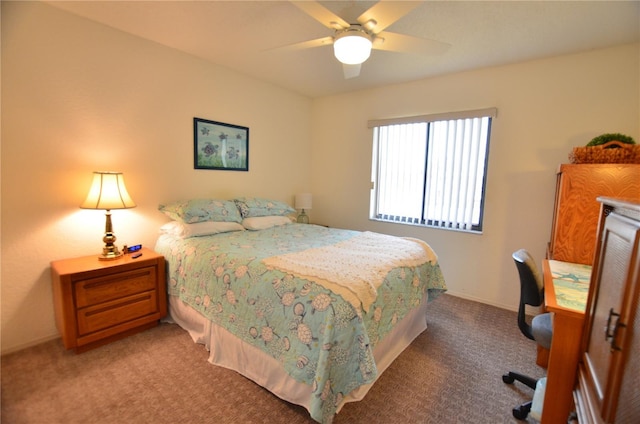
(358, 265)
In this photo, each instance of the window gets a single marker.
(431, 170)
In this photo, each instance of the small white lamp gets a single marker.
(303, 201)
(108, 192)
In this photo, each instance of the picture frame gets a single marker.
(221, 146)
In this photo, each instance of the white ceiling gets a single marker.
(244, 35)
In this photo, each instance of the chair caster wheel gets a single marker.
(521, 412)
(507, 378)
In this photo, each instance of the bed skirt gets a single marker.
(227, 350)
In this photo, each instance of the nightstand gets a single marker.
(98, 301)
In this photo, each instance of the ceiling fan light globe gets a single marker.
(352, 48)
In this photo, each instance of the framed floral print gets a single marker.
(217, 145)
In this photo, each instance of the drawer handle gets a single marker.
(613, 335)
(614, 346)
(608, 334)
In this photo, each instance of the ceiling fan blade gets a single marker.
(394, 42)
(384, 13)
(351, 71)
(321, 14)
(318, 42)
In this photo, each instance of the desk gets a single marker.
(566, 287)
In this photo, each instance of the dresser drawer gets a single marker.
(109, 314)
(114, 286)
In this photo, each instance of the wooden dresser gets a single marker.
(575, 219)
(608, 390)
(100, 301)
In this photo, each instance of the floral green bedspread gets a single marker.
(319, 338)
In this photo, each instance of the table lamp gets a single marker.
(303, 201)
(108, 192)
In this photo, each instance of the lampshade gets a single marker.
(303, 201)
(352, 46)
(108, 192)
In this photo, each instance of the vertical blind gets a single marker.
(400, 181)
(431, 172)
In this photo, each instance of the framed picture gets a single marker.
(217, 145)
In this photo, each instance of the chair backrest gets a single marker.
(531, 288)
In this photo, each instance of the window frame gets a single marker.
(423, 220)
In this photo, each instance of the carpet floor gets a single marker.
(451, 373)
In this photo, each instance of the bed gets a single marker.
(311, 313)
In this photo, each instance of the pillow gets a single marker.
(200, 210)
(182, 230)
(172, 227)
(250, 207)
(264, 222)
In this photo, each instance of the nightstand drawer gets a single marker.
(114, 286)
(109, 314)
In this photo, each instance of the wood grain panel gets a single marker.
(627, 403)
(114, 286)
(607, 389)
(111, 314)
(577, 210)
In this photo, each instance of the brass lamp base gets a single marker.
(110, 250)
(108, 256)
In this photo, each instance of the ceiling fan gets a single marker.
(352, 42)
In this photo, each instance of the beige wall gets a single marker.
(79, 97)
(545, 108)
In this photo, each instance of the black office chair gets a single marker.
(541, 327)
